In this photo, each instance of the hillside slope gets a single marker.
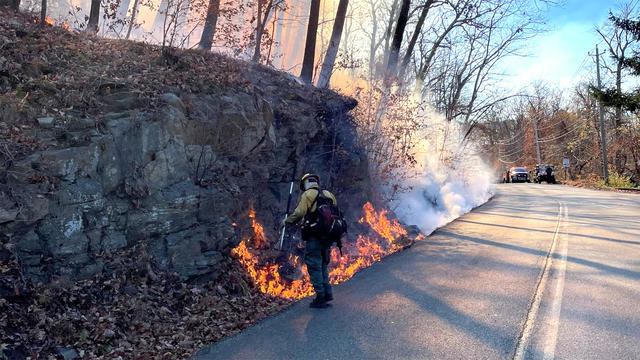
(127, 174)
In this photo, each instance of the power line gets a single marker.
(512, 162)
(512, 153)
(511, 138)
(576, 127)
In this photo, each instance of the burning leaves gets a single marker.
(369, 247)
(267, 278)
(49, 21)
(388, 229)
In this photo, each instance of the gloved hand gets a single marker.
(284, 222)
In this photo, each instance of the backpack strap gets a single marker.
(315, 201)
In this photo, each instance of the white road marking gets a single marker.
(527, 329)
(550, 332)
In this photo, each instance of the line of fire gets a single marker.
(283, 274)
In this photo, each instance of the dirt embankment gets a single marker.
(126, 176)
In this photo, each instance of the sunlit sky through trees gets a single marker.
(560, 56)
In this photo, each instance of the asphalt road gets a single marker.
(539, 272)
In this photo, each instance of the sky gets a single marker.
(559, 57)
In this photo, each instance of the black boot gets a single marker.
(319, 302)
(328, 296)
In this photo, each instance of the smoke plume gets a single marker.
(449, 179)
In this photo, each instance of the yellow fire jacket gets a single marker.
(304, 206)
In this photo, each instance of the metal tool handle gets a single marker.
(286, 215)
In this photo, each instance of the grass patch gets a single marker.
(617, 181)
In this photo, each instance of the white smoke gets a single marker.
(449, 180)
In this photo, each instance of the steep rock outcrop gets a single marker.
(179, 176)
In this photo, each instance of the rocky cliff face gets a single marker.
(179, 175)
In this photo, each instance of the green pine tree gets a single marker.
(611, 97)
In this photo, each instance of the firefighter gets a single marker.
(317, 252)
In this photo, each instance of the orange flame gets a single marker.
(389, 230)
(268, 279)
(49, 20)
(367, 249)
(259, 240)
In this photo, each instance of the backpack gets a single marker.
(326, 221)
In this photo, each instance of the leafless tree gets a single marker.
(94, 17)
(392, 20)
(403, 17)
(210, 22)
(378, 12)
(459, 67)
(310, 46)
(132, 20)
(456, 14)
(265, 10)
(416, 34)
(334, 44)
(43, 12)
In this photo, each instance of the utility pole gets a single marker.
(602, 130)
(500, 160)
(535, 132)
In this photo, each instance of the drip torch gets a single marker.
(286, 215)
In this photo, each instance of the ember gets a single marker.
(366, 250)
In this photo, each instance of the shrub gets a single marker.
(618, 181)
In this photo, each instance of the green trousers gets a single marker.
(317, 257)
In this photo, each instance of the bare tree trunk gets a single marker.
(273, 31)
(43, 12)
(394, 54)
(310, 47)
(210, 22)
(334, 44)
(132, 21)
(388, 32)
(256, 52)
(414, 38)
(261, 22)
(422, 74)
(619, 92)
(372, 44)
(277, 53)
(345, 36)
(94, 17)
